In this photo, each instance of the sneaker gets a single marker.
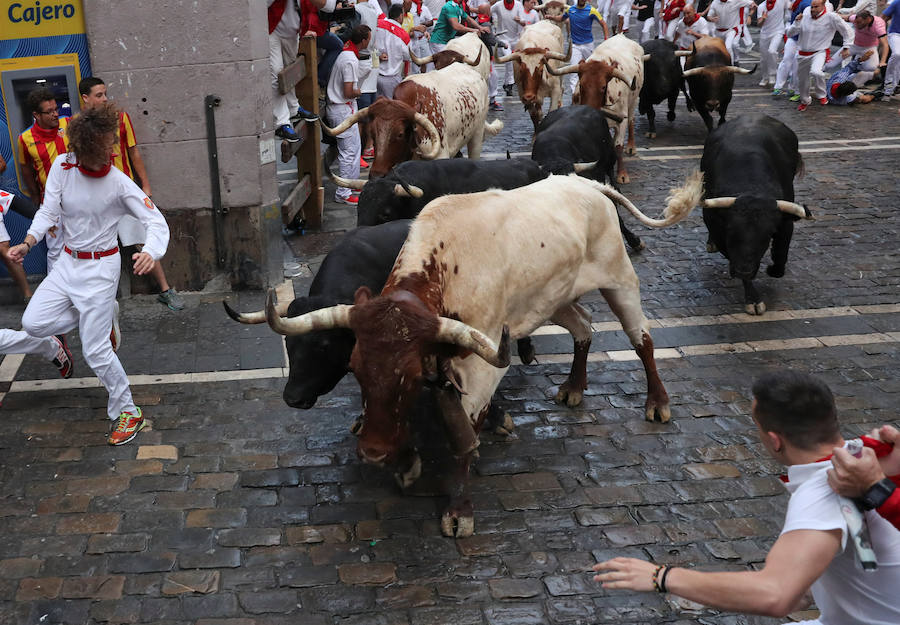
(362, 163)
(115, 334)
(764, 83)
(172, 299)
(353, 200)
(823, 101)
(495, 106)
(302, 113)
(63, 360)
(795, 97)
(287, 133)
(126, 427)
(508, 89)
(802, 107)
(777, 93)
(369, 154)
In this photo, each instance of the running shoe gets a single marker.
(287, 133)
(172, 299)
(362, 163)
(823, 101)
(305, 115)
(126, 428)
(353, 200)
(63, 361)
(795, 97)
(802, 107)
(369, 154)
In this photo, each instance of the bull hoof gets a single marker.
(356, 426)
(506, 425)
(623, 178)
(774, 271)
(407, 478)
(657, 412)
(711, 248)
(457, 525)
(670, 116)
(526, 351)
(569, 396)
(650, 135)
(756, 308)
(631, 150)
(638, 245)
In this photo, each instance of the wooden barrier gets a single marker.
(308, 197)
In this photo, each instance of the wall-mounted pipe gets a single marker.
(219, 211)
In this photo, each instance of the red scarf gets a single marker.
(276, 10)
(509, 4)
(879, 447)
(418, 4)
(770, 4)
(90, 173)
(393, 28)
(352, 47)
(689, 22)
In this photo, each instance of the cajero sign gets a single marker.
(24, 19)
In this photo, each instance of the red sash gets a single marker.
(276, 10)
(393, 28)
(879, 447)
(770, 4)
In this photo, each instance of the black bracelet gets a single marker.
(655, 578)
(662, 581)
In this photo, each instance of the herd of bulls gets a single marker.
(455, 257)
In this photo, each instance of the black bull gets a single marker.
(662, 81)
(748, 168)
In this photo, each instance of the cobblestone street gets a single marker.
(235, 509)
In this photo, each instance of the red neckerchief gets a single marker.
(509, 4)
(879, 447)
(393, 28)
(45, 135)
(418, 4)
(689, 22)
(352, 47)
(770, 4)
(795, 5)
(90, 173)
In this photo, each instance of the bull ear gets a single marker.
(363, 294)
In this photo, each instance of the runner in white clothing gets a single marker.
(725, 16)
(690, 28)
(816, 27)
(508, 20)
(90, 196)
(771, 15)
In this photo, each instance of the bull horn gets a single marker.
(467, 337)
(612, 115)
(794, 209)
(692, 72)
(477, 60)
(621, 76)
(408, 191)
(740, 70)
(322, 319)
(583, 167)
(429, 127)
(646, 57)
(683, 53)
(719, 202)
(254, 317)
(344, 125)
(558, 56)
(515, 56)
(347, 183)
(568, 69)
(420, 61)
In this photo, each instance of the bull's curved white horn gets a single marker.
(794, 209)
(322, 319)
(515, 56)
(258, 316)
(692, 72)
(719, 202)
(609, 113)
(420, 61)
(558, 56)
(568, 69)
(679, 203)
(582, 167)
(683, 53)
(429, 127)
(646, 57)
(344, 125)
(739, 70)
(347, 183)
(631, 82)
(477, 60)
(414, 191)
(464, 335)
(540, 7)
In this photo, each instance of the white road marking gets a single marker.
(549, 330)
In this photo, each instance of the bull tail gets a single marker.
(493, 128)
(679, 203)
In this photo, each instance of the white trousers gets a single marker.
(579, 51)
(509, 71)
(669, 33)
(282, 52)
(348, 143)
(867, 68)
(647, 27)
(730, 37)
(810, 76)
(787, 69)
(387, 84)
(81, 293)
(769, 45)
(603, 7)
(892, 73)
(20, 342)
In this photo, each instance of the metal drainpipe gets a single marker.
(219, 212)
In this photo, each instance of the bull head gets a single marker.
(792, 208)
(734, 69)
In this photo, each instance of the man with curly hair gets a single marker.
(90, 196)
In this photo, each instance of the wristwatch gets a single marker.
(877, 494)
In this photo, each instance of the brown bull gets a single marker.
(710, 78)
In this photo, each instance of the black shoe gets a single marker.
(287, 133)
(303, 114)
(508, 89)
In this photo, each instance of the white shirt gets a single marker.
(505, 20)
(845, 594)
(425, 18)
(346, 69)
(816, 34)
(775, 19)
(729, 13)
(368, 14)
(683, 40)
(530, 17)
(397, 51)
(289, 25)
(91, 209)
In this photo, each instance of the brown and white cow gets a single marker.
(710, 78)
(476, 270)
(467, 49)
(431, 116)
(617, 57)
(540, 45)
